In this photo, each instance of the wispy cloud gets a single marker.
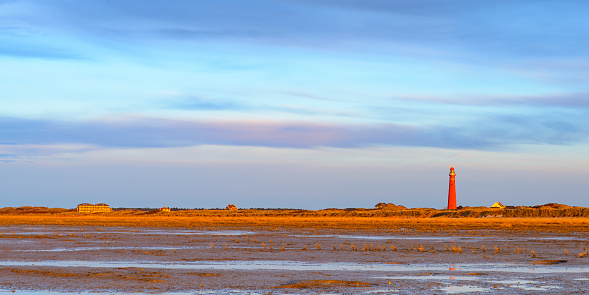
(564, 100)
(186, 102)
(497, 29)
(39, 52)
(493, 133)
(9, 158)
(191, 102)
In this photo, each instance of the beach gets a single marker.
(300, 259)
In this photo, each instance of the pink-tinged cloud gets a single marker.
(156, 132)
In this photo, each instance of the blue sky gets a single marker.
(303, 104)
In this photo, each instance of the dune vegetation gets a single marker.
(542, 218)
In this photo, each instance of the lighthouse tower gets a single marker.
(452, 190)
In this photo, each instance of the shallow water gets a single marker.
(26, 292)
(50, 232)
(396, 237)
(182, 232)
(449, 239)
(463, 289)
(303, 266)
(126, 248)
(431, 277)
(200, 292)
(523, 284)
(245, 266)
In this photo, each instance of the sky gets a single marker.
(293, 104)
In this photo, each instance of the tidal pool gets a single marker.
(126, 248)
(523, 284)
(449, 239)
(26, 292)
(61, 231)
(95, 258)
(463, 289)
(301, 266)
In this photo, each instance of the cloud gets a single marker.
(8, 158)
(206, 104)
(480, 30)
(142, 132)
(563, 100)
(39, 52)
(572, 100)
(178, 101)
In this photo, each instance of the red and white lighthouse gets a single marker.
(452, 190)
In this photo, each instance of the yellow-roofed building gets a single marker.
(498, 205)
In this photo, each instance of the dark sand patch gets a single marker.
(324, 284)
(549, 262)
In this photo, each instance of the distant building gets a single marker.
(164, 209)
(99, 207)
(231, 207)
(498, 205)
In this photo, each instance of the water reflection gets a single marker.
(41, 231)
(527, 285)
(447, 238)
(125, 248)
(5, 292)
(431, 277)
(297, 266)
(463, 289)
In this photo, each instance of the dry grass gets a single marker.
(456, 248)
(276, 219)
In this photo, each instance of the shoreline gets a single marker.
(212, 220)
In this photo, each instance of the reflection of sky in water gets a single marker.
(196, 292)
(431, 277)
(301, 266)
(462, 289)
(14, 241)
(449, 238)
(124, 230)
(526, 285)
(523, 284)
(128, 248)
(227, 291)
(51, 231)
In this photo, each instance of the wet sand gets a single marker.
(180, 261)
